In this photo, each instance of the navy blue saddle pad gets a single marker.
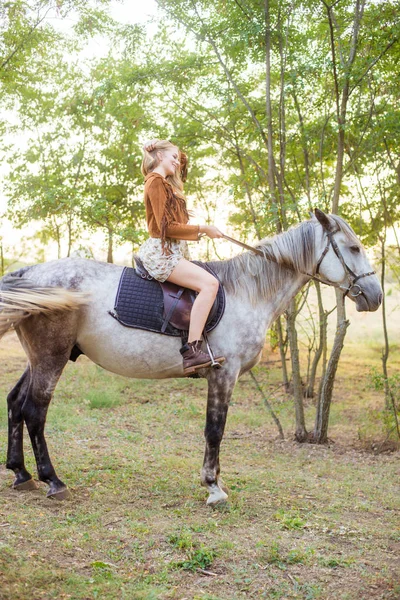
(139, 304)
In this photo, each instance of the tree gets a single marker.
(81, 166)
(304, 129)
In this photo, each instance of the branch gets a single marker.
(224, 130)
(373, 63)
(268, 405)
(242, 9)
(212, 43)
(332, 39)
(33, 28)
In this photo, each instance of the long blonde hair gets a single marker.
(150, 162)
(176, 202)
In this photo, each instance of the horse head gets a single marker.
(343, 262)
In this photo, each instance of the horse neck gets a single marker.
(262, 286)
(285, 258)
(274, 307)
(271, 306)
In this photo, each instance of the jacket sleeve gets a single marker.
(157, 196)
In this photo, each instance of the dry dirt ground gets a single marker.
(302, 522)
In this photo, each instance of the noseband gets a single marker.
(351, 276)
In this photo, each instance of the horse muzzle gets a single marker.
(367, 298)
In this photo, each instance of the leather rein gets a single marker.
(351, 276)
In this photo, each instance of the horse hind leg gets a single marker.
(48, 341)
(43, 381)
(15, 452)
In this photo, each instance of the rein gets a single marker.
(351, 276)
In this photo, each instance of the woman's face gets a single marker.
(170, 160)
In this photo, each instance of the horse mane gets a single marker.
(291, 252)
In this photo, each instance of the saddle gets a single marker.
(144, 303)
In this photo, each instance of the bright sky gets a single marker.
(133, 11)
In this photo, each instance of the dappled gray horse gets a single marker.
(64, 303)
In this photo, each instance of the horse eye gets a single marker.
(355, 248)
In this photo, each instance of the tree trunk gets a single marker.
(301, 434)
(385, 351)
(323, 325)
(110, 246)
(69, 235)
(320, 435)
(268, 106)
(282, 351)
(1, 259)
(59, 242)
(390, 400)
(248, 193)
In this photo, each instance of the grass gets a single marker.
(303, 521)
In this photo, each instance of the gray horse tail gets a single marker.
(20, 299)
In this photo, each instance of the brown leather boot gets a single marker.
(194, 358)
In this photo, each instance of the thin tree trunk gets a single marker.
(343, 98)
(323, 325)
(59, 244)
(307, 183)
(323, 315)
(282, 351)
(390, 401)
(385, 350)
(57, 236)
(301, 434)
(1, 258)
(268, 105)
(247, 187)
(110, 246)
(320, 435)
(69, 228)
(70, 211)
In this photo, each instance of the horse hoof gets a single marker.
(63, 494)
(213, 502)
(217, 497)
(26, 486)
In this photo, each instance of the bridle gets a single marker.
(351, 276)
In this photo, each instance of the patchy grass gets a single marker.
(303, 521)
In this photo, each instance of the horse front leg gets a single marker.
(220, 388)
(15, 452)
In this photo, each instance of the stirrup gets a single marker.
(214, 364)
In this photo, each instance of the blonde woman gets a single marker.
(165, 254)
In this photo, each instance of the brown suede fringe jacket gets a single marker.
(166, 213)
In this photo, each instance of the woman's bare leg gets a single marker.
(199, 280)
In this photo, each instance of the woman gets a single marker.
(165, 254)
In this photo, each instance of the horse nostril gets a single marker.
(380, 298)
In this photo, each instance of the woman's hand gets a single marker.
(211, 231)
(149, 145)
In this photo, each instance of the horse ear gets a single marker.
(323, 219)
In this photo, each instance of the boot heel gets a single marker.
(195, 359)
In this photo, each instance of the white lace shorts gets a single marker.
(159, 265)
